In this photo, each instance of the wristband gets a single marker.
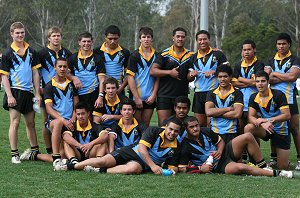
(101, 94)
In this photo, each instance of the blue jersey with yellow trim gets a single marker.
(247, 71)
(61, 97)
(126, 137)
(203, 64)
(170, 87)
(222, 125)
(139, 67)
(284, 66)
(87, 70)
(271, 108)
(196, 152)
(115, 61)
(48, 59)
(19, 68)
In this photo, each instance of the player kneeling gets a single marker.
(202, 142)
(87, 140)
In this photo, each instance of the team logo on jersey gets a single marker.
(171, 153)
(288, 64)
(71, 88)
(30, 54)
(231, 98)
(135, 132)
(214, 59)
(92, 62)
(120, 54)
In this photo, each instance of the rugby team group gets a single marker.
(92, 123)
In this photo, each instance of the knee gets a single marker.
(236, 169)
(249, 137)
(249, 128)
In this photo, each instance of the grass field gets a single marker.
(37, 179)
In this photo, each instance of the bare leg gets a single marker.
(56, 127)
(70, 151)
(107, 161)
(240, 168)
(45, 157)
(282, 158)
(30, 128)
(131, 167)
(146, 116)
(15, 117)
(46, 134)
(202, 119)
(295, 131)
(162, 115)
(138, 114)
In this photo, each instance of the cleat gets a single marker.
(287, 174)
(90, 169)
(273, 162)
(297, 165)
(64, 161)
(60, 167)
(15, 159)
(26, 155)
(57, 162)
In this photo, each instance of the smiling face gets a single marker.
(18, 34)
(224, 79)
(127, 112)
(179, 39)
(111, 90)
(55, 39)
(85, 44)
(203, 42)
(172, 131)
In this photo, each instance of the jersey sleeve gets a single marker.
(252, 103)
(142, 127)
(132, 65)
(238, 99)
(221, 58)
(35, 59)
(100, 65)
(159, 60)
(126, 54)
(236, 72)
(149, 136)
(174, 160)
(5, 64)
(71, 63)
(215, 138)
(259, 67)
(48, 95)
(280, 100)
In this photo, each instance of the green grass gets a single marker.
(37, 179)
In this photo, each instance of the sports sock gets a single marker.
(14, 153)
(298, 157)
(49, 150)
(56, 156)
(261, 164)
(73, 160)
(70, 166)
(274, 157)
(34, 152)
(103, 170)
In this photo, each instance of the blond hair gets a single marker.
(16, 25)
(54, 30)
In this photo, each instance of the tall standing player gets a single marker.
(171, 67)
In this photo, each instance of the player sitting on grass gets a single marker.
(202, 142)
(156, 146)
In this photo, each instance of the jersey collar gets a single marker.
(201, 56)
(171, 51)
(112, 104)
(143, 55)
(244, 64)
(135, 123)
(217, 91)
(55, 84)
(258, 99)
(16, 48)
(104, 49)
(82, 57)
(87, 128)
(276, 57)
(172, 144)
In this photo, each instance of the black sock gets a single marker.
(274, 156)
(261, 164)
(56, 156)
(73, 160)
(14, 153)
(49, 150)
(70, 166)
(103, 170)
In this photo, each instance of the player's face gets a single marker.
(193, 129)
(261, 84)
(172, 131)
(283, 47)
(18, 35)
(224, 79)
(248, 52)
(179, 39)
(127, 112)
(181, 110)
(82, 116)
(112, 41)
(55, 39)
(146, 40)
(203, 42)
(111, 90)
(61, 68)
(86, 44)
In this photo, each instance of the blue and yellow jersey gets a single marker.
(110, 109)
(271, 108)
(139, 67)
(203, 64)
(154, 138)
(196, 152)
(115, 61)
(222, 125)
(284, 65)
(61, 97)
(170, 87)
(48, 59)
(126, 137)
(19, 68)
(88, 134)
(243, 70)
(182, 133)
(87, 69)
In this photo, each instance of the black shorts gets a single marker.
(90, 99)
(126, 154)
(294, 108)
(165, 103)
(199, 102)
(279, 141)
(228, 137)
(82, 155)
(147, 106)
(226, 158)
(23, 99)
(245, 115)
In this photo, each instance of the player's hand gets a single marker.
(139, 103)
(68, 124)
(86, 148)
(209, 74)
(150, 100)
(268, 126)
(157, 170)
(259, 121)
(206, 168)
(217, 155)
(193, 73)
(38, 98)
(106, 117)
(11, 101)
(175, 73)
(77, 82)
(99, 102)
(119, 91)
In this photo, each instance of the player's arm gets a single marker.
(248, 82)
(68, 138)
(236, 112)
(220, 148)
(11, 101)
(111, 141)
(156, 71)
(236, 82)
(75, 101)
(99, 101)
(132, 86)
(103, 137)
(152, 98)
(123, 85)
(287, 77)
(211, 111)
(36, 82)
(143, 151)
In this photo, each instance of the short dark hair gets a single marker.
(262, 74)
(85, 35)
(189, 119)
(284, 36)
(146, 31)
(175, 121)
(83, 105)
(179, 29)
(249, 41)
(111, 80)
(127, 101)
(224, 68)
(203, 32)
(112, 29)
(61, 59)
(182, 99)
